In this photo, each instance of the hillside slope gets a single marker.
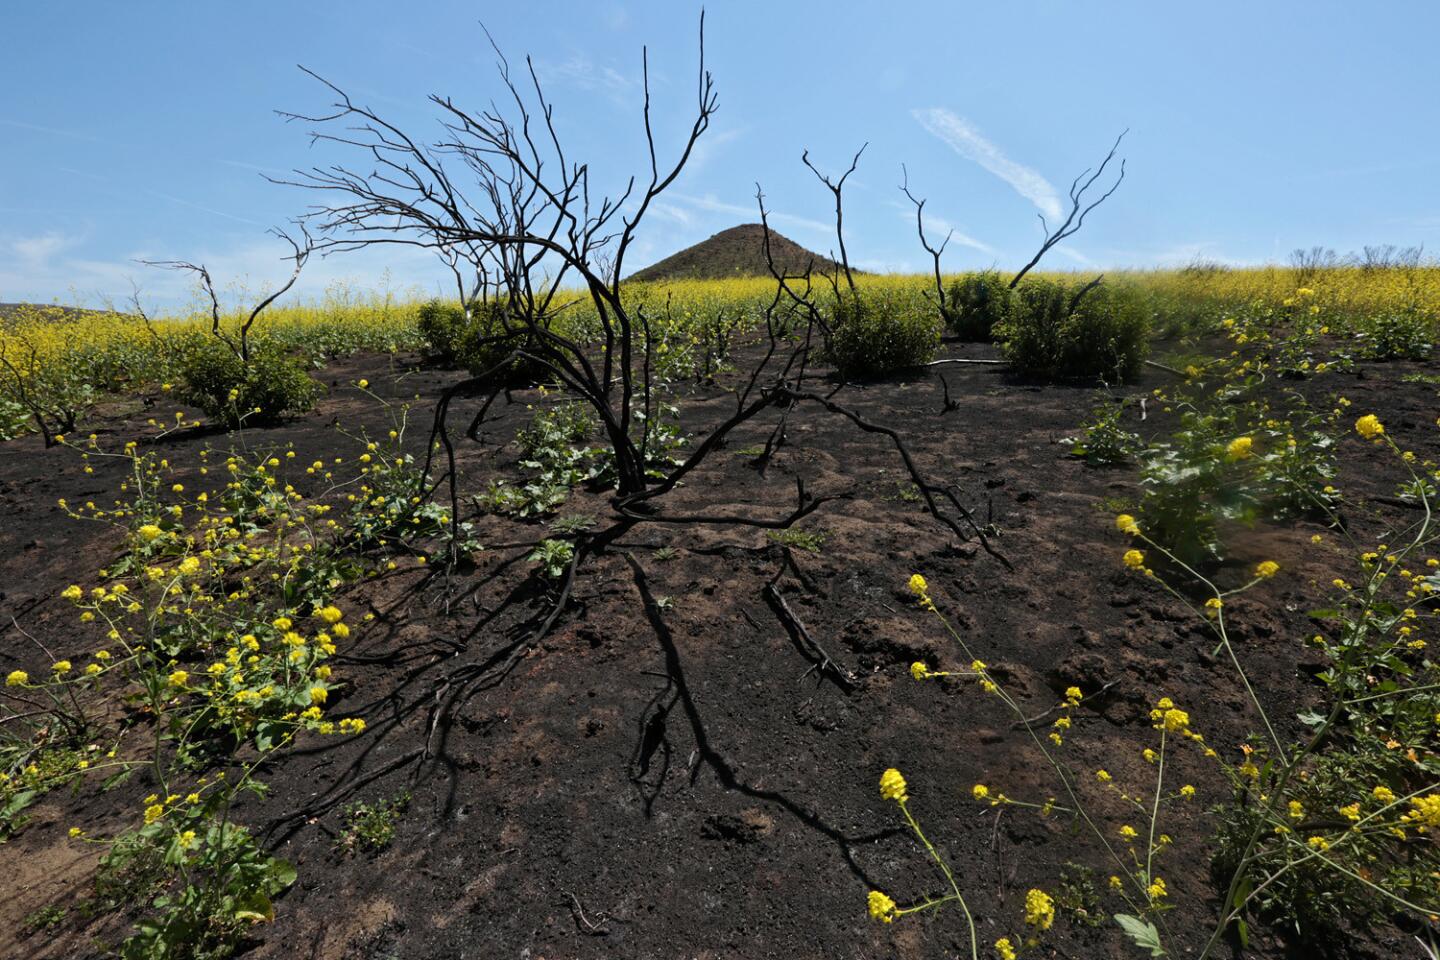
(736, 252)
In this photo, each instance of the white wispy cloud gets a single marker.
(1078, 257)
(37, 251)
(53, 131)
(47, 268)
(962, 137)
(670, 211)
(615, 16)
(269, 171)
(585, 74)
(887, 265)
(936, 228)
(708, 145)
(204, 209)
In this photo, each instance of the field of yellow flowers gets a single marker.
(267, 687)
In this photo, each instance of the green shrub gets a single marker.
(1106, 334)
(453, 338)
(264, 389)
(976, 304)
(1395, 335)
(444, 327)
(1105, 441)
(14, 418)
(878, 332)
(53, 393)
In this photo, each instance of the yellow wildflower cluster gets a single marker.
(1039, 909)
(892, 786)
(882, 908)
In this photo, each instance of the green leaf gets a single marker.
(115, 779)
(282, 874)
(17, 803)
(1142, 933)
(255, 907)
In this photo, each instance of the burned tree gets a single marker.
(498, 197)
(517, 219)
(934, 251)
(1080, 208)
(1082, 203)
(240, 343)
(1040, 325)
(836, 187)
(231, 375)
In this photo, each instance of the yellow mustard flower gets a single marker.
(1370, 427)
(1039, 909)
(1176, 721)
(892, 786)
(882, 908)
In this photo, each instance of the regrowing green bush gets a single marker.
(444, 327)
(1049, 334)
(878, 331)
(976, 304)
(270, 385)
(1395, 335)
(454, 338)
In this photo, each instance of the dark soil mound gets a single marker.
(737, 252)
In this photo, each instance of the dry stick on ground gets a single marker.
(584, 923)
(927, 489)
(947, 404)
(820, 658)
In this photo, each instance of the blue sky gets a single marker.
(141, 130)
